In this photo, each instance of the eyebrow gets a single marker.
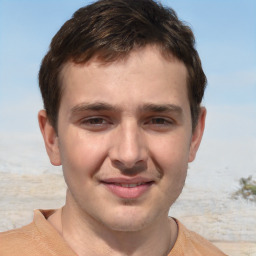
(148, 107)
(97, 106)
(162, 108)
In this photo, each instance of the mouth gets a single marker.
(128, 189)
(127, 185)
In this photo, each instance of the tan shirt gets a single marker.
(40, 238)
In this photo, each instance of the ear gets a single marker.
(197, 135)
(50, 138)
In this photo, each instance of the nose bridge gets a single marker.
(129, 144)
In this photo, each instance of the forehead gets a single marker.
(144, 75)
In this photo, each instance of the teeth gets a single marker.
(130, 185)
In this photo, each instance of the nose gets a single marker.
(129, 148)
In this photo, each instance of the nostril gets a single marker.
(117, 164)
(132, 169)
(123, 164)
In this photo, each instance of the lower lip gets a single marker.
(125, 192)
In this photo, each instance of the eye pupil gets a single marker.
(96, 121)
(158, 121)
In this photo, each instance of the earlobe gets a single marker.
(197, 135)
(50, 138)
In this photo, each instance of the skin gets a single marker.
(127, 120)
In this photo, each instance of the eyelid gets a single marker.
(92, 118)
(168, 120)
(88, 118)
(166, 124)
(85, 122)
(165, 119)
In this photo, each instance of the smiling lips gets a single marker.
(127, 190)
(129, 185)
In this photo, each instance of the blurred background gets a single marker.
(225, 33)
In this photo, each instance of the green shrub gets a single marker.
(247, 189)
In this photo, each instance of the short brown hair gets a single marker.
(111, 29)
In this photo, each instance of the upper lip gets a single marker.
(125, 180)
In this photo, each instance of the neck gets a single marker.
(86, 236)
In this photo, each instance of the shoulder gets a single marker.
(26, 234)
(191, 243)
(37, 238)
(17, 238)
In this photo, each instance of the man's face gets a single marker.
(125, 138)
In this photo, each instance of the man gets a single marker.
(122, 85)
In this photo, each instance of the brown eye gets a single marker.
(160, 121)
(159, 124)
(95, 121)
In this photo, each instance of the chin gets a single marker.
(129, 221)
(128, 225)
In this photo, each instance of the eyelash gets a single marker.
(92, 121)
(101, 123)
(164, 121)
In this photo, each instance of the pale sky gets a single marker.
(226, 40)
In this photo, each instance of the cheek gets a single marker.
(171, 152)
(171, 156)
(81, 153)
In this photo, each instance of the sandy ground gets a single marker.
(20, 194)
